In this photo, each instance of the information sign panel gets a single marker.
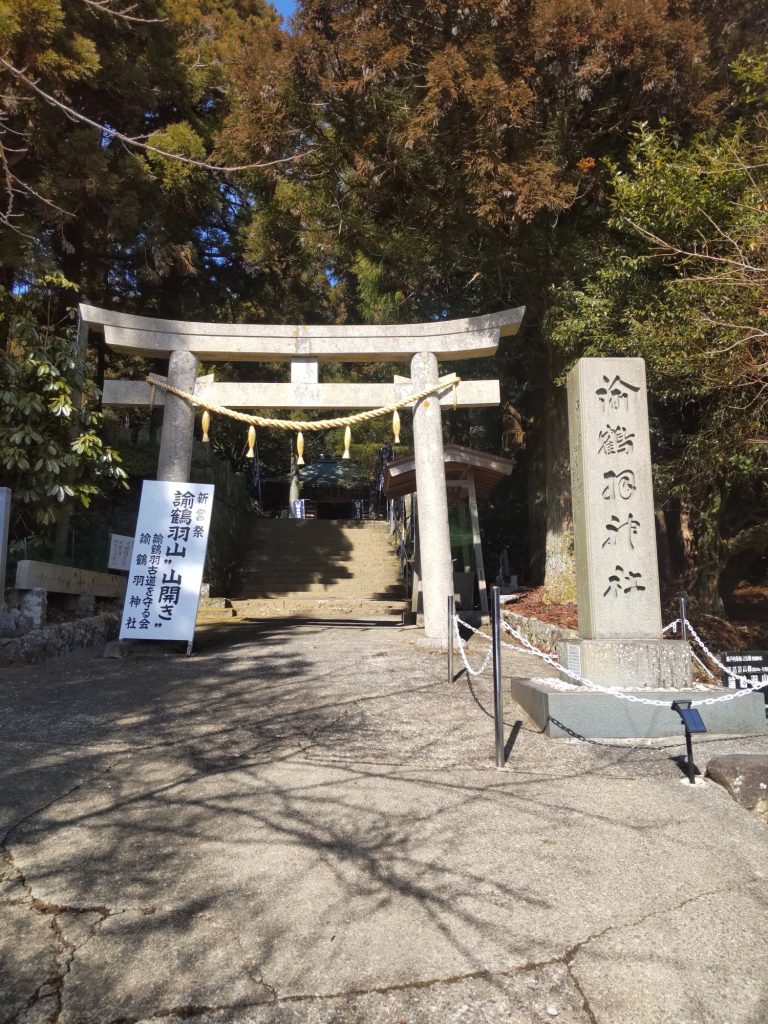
(120, 550)
(167, 561)
(753, 665)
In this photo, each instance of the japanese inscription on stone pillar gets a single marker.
(614, 530)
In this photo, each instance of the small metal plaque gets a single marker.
(573, 658)
(120, 551)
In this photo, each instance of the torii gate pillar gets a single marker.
(434, 538)
(177, 439)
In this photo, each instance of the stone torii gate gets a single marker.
(185, 344)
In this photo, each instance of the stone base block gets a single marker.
(9, 622)
(579, 714)
(83, 605)
(34, 607)
(629, 664)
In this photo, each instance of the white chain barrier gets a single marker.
(703, 667)
(749, 683)
(463, 651)
(674, 627)
(524, 646)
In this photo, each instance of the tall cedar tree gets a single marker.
(455, 159)
(85, 215)
(129, 227)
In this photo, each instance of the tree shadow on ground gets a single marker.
(263, 817)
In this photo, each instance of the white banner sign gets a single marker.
(120, 550)
(167, 561)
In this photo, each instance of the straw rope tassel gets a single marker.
(206, 423)
(251, 442)
(396, 426)
(347, 442)
(300, 448)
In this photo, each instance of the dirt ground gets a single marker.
(302, 823)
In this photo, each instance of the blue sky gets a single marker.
(285, 7)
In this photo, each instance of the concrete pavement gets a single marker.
(301, 823)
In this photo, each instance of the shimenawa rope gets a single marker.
(309, 425)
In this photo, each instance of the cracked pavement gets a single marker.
(302, 823)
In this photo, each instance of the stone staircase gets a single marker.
(319, 567)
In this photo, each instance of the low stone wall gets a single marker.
(542, 634)
(51, 641)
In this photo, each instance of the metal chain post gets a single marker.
(451, 630)
(683, 617)
(498, 697)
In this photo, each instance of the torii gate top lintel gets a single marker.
(469, 338)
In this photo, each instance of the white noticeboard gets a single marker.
(167, 561)
(120, 550)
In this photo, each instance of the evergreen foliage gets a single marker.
(434, 159)
(50, 449)
(680, 281)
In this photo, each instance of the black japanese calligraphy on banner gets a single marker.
(167, 561)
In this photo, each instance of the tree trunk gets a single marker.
(704, 588)
(560, 567)
(688, 539)
(666, 572)
(743, 550)
(706, 549)
(65, 517)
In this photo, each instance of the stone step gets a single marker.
(299, 557)
(281, 529)
(313, 560)
(304, 542)
(295, 554)
(298, 607)
(326, 568)
(291, 581)
(311, 524)
(204, 614)
(367, 593)
(269, 589)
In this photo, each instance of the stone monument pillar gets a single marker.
(617, 580)
(434, 538)
(177, 439)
